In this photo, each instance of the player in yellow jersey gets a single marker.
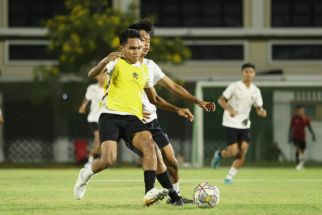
(122, 117)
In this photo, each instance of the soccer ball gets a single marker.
(206, 195)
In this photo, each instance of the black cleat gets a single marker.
(179, 202)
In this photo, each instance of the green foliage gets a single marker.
(87, 33)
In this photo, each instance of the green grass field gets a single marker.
(120, 191)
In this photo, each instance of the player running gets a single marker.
(237, 100)
(122, 117)
(297, 135)
(94, 95)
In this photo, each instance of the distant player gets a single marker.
(297, 135)
(237, 100)
(94, 95)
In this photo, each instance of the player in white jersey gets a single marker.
(1, 118)
(146, 29)
(94, 95)
(237, 101)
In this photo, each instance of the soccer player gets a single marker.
(297, 135)
(122, 116)
(146, 29)
(94, 95)
(237, 101)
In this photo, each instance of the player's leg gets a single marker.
(143, 142)
(301, 151)
(230, 151)
(108, 157)
(238, 162)
(96, 148)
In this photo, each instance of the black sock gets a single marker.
(165, 182)
(297, 159)
(149, 179)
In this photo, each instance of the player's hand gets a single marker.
(233, 113)
(262, 113)
(113, 56)
(146, 116)
(185, 112)
(207, 106)
(82, 109)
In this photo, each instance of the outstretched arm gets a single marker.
(164, 105)
(180, 91)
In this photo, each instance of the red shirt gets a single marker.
(298, 124)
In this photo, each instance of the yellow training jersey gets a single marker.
(126, 88)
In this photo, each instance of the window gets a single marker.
(191, 13)
(297, 51)
(231, 52)
(33, 13)
(296, 13)
(31, 51)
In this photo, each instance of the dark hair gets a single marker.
(248, 65)
(128, 33)
(299, 107)
(145, 25)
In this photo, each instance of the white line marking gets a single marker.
(211, 180)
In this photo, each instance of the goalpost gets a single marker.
(279, 102)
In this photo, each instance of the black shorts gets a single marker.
(236, 135)
(93, 126)
(300, 143)
(159, 136)
(114, 127)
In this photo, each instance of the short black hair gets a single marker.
(145, 25)
(248, 65)
(128, 33)
(299, 107)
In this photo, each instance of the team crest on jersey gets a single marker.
(135, 75)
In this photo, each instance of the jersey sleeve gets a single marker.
(158, 74)
(229, 91)
(258, 100)
(90, 93)
(110, 66)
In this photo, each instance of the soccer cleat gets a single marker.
(228, 181)
(216, 159)
(80, 186)
(187, 201)
(154, 195)
(179, 202)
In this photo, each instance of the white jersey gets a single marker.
(156, 75)
(241, 99)
(94, 93)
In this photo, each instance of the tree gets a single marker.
(85, 34)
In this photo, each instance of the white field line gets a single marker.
(313, 180)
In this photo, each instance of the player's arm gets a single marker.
(180, 91)
(82, 108)
(311, 131)
(223, 102)
(101, 66)
(261, 112)
(164, 105)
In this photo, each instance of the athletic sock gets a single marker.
(232, 172)
(297, 160)
(165, 182)
(90, 159)
(301, 159)
(149, 180)
(87, 173)
(176, 187)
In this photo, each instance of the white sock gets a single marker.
(232, 172)
(176, 187)
(302, 159)
(87, 173)
(90, 159)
